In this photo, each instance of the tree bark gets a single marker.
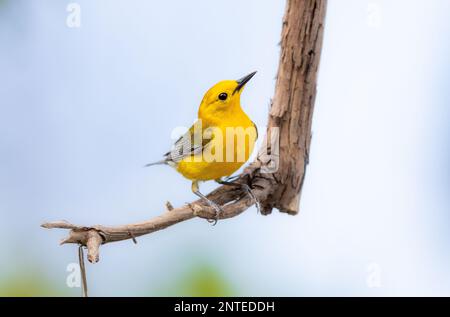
(277, 175)
(293, 103)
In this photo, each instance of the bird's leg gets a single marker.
(230, 178)
(216, 207)
(244, 187)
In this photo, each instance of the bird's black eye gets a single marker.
(223, 96)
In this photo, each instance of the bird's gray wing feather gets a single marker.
(190, 143)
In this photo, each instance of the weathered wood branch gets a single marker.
(277, 176)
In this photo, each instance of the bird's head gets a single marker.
(223, 97)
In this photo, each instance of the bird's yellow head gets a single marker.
(223, 99)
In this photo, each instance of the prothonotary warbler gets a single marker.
(218, 143)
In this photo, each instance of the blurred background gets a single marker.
(90, 91)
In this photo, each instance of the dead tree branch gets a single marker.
(290, 114)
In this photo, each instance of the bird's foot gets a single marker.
(231, 179)
(249, 192)
(246, 188)
(218, 210)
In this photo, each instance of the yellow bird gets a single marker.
(219, 142)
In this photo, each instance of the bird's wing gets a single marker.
(190, 143)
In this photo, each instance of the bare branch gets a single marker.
(233, 199)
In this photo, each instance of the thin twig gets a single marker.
(82, 271)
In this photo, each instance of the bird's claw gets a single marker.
(249, 192)
(218, 211)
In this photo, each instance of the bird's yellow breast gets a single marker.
(231, 145)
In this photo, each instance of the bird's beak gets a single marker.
(241, 82)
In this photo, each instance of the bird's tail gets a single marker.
(162, 162)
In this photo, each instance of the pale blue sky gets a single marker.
(83, 109)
